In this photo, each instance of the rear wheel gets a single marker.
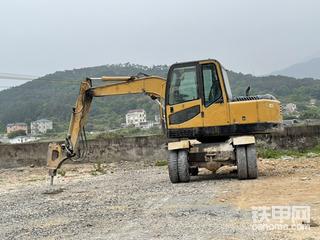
(183, 166)
(173, 166)
(252, 161)
(241, 162)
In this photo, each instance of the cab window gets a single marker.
(211, 85)
(183, 85)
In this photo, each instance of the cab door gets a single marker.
(183, 101)
(215, 107)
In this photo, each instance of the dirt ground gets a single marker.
(137, 201)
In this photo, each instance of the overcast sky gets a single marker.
(42, 36)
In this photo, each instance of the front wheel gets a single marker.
(173, 166)
(252, 161)
(183, 166)
(241, 162)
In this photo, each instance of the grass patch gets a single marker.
(98, 169)
(278, 153)
(160, 163)
(61, 172)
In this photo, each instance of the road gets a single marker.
(136, 201)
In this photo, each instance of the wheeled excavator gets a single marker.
(205, 125)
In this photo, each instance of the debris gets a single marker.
(305, 178)
(53, 190)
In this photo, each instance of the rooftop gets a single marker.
(42, 120)
(136, 110)
(16, 124)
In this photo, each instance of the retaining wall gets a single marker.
(148, 149)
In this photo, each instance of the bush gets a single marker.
(160, 163)
(17, 133)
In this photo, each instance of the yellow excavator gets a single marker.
(205, 125)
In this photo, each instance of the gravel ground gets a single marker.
(139, 203)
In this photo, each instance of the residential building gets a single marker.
(146, 125)
(41, 126)
(135, 117)
(313, 102)
(13, 127)
(290, 108)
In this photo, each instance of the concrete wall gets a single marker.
(107, 150)
(149, 149)
(299, 138)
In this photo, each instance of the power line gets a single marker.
(15, 76)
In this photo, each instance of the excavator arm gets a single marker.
(153, 86)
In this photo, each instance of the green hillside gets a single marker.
(54, 95)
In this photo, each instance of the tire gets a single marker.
(241, 162)
(183, 166)
(173, 166)
(252, 161)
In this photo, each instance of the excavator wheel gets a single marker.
(173, 166)
(183, 166)
(252, 161)
(247, 161)
(241, 162)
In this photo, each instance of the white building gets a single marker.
(146, 125)
(290, 108)
(41, 126)
(135, 117)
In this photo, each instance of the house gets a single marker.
(135, 117)
(41, 126)
(290, 108)
(13, 127)
(146, 125)
(313, 102)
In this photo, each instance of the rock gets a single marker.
(53, 190)
(32, 165)
(286, 158)
(305, 178)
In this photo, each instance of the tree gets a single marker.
(311, 113)
(17, 133)
(2, 127)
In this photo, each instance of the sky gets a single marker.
(250, 36)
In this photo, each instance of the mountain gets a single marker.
(310, 68)
(54, 95)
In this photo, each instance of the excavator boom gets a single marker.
(153, 86)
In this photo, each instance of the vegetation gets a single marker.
(62, 172)
(17, 133)
(161, 163)
(278, 153)
(126, 132)
(54, 95)
(310, 113)
(98, 168)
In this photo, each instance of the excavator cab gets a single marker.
(199, 104)
(193, 89)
